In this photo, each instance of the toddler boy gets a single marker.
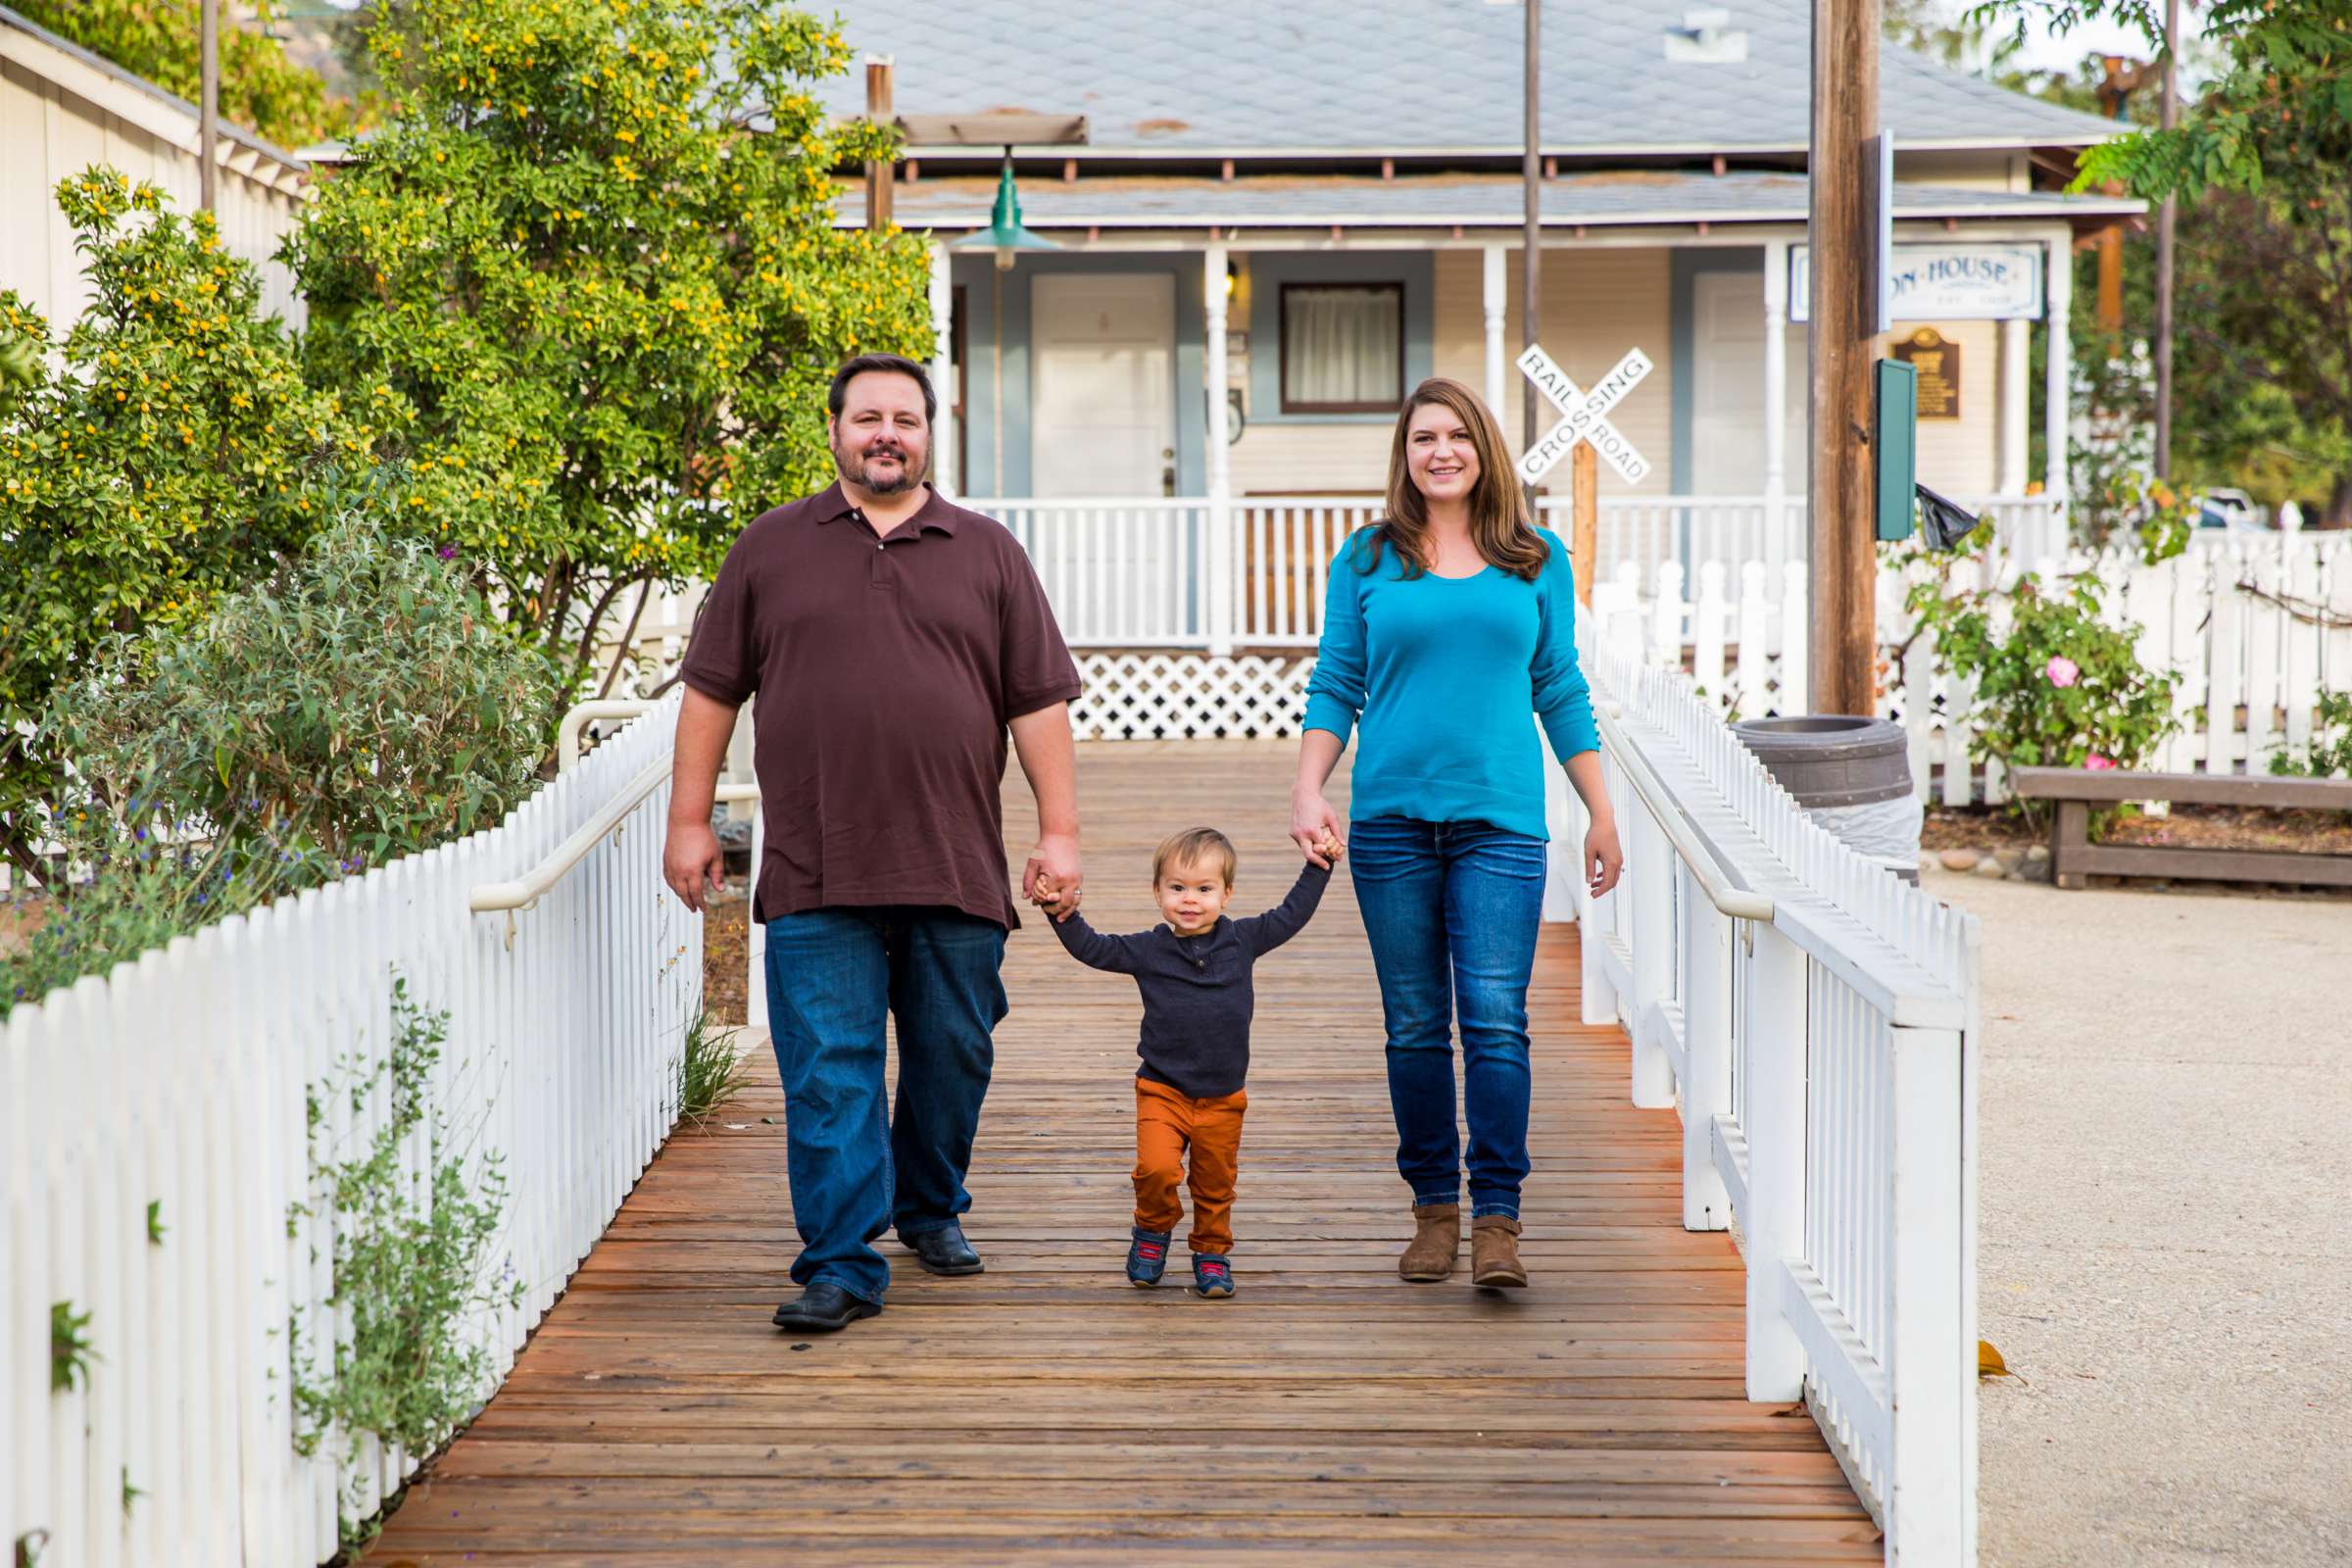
(1194, 973)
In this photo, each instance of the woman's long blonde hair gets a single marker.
(1500, 524)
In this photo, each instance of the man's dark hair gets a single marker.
(890, 364)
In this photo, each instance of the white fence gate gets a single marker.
(182, 1081)
(1814, 1021)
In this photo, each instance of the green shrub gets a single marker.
(360, 702)
(411, 1260)
(142, 896)
(2059, 687)
(166, 453)
(2330, 751)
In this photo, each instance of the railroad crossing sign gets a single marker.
(1584, 415)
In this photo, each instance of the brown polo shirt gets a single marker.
(884, 672)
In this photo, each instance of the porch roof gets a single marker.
(1624, 198)
(1286, 79)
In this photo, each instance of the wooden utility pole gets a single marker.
(880, 173)
(1530, 243)
(208, 121)
(2166, 215)
(1841, 232)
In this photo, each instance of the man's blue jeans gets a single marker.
(1452, 910)
(833, 976)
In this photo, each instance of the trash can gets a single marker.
(1852, 775)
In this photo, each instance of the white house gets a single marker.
(62, 109)
(1295, 209)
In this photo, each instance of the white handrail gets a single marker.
(1821, 1061)
(583, 715)
(1715, 879)
(527, 889)
(522, 894)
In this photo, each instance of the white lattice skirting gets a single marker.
(1168, 697)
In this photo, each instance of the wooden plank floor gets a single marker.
(1047, 1411)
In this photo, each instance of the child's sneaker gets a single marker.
(1148, 1257)
(1212, 1275)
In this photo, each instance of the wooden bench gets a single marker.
(2076, 790)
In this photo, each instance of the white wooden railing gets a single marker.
(1814, 1021)
(1151, 574)
(181, 1081)
(2257, 627)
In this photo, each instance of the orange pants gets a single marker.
(1165, 1122)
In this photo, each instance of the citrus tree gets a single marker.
(165, 451)
(594, 249)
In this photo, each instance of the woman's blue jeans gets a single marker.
(835, 977)
(1452, 910)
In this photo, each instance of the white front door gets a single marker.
(1102, 383)
(1727, 388)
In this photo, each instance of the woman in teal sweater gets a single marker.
(1447, 633)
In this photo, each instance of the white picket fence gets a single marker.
(1814, 1021)
(181, 1081)
(2256, 628)
(1186, 575)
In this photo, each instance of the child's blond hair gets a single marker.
(1193, 846)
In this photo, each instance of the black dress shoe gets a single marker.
(823, 1307)
(944, 1252)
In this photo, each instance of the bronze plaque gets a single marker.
(1937, 361)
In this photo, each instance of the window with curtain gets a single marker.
(1343, 348)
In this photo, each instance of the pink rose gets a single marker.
(2097, 764)
(2062, 671)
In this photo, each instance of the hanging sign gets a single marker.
(1943, 282)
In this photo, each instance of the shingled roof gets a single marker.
(1248, 79)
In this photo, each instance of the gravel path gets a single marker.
(2167, 1125)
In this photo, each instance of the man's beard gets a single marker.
(856, 467)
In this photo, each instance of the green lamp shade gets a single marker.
(1004, 234)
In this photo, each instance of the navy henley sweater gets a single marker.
(1198, 998)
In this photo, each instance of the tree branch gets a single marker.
(621, 652)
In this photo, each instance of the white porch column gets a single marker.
(2016, 350)
(1218, 601)
(1495, 296)
(2057, 417)
(943, 370)
(1776, 405)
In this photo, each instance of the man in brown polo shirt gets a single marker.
(889, 638)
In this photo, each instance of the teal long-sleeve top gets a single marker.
(1440, 675)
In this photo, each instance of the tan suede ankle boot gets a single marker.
(1495, 1252)
(1437, 1241)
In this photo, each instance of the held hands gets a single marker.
(1052, 880)
(1057, 900)
(1315, 828)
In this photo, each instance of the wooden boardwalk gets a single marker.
(1047, 1411)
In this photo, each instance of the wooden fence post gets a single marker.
(1651, 867)
(1931, 1372)
(1707, 1056)
(1773, 1103)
